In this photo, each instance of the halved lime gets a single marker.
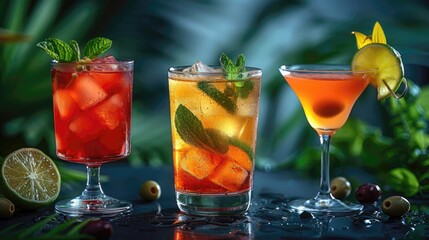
(387, 64)
(29, 178)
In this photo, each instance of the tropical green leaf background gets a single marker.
(158, 34)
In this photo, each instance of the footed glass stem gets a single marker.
(324, 202)
(93, 201)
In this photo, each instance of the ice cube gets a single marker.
(86, 127)
(105, 59)
(199, 163)
(86, 92)
(110, 82)
(105, 64)
(229, 175)
(110, 112)
(64, 103)
(200, 67)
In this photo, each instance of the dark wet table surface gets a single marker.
(268, 217)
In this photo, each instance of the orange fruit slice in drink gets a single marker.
(240, 157)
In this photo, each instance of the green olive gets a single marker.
(395, 206)
(150, 191)
(340, 187)
(6, 208)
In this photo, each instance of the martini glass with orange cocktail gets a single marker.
(327, 94)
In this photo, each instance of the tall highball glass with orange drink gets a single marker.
(214, 117)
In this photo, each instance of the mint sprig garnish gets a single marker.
(192, 131)
(236, 71)
(64, 52)
(233, 70)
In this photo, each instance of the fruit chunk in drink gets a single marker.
(213, 132)
(92, 109)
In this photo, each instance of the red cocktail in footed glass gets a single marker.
(92, 118)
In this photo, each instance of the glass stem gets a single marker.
(325, 186)
(93, 187)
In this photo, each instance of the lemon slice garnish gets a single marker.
(386, 63)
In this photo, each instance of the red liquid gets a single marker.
(92, 114)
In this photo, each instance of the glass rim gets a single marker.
(179, 71)
(322, 68)
(119, 62)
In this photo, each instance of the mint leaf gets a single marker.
(240, 63)
(217, 141)
(245, 89)
(403, 180)
(75, 46)
(189, 127)
(218, 96)
(49, 49)
(64, 51)
(96, 46)
(58, 50)
(234, 71)
(192, 131)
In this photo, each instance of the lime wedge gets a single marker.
(387, 64)
(29, 178)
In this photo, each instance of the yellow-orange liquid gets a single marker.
(202, 171)
(327, 99)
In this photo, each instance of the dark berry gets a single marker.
(368, 193)
(100, 229)
(306, 214)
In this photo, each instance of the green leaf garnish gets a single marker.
(96, 46)
(58, 49)
(49, 49)
(63, 52)
(217, 140)
(218, 96)
(245, 89)
(235, 71)
(192, 131)
(75, 46)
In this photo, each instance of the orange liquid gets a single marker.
(92, 115)
(327, 100)
(202, 171)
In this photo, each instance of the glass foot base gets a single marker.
(100, 206)
(325, 206)
(213, 204)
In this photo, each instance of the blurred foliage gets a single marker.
(158, 34)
